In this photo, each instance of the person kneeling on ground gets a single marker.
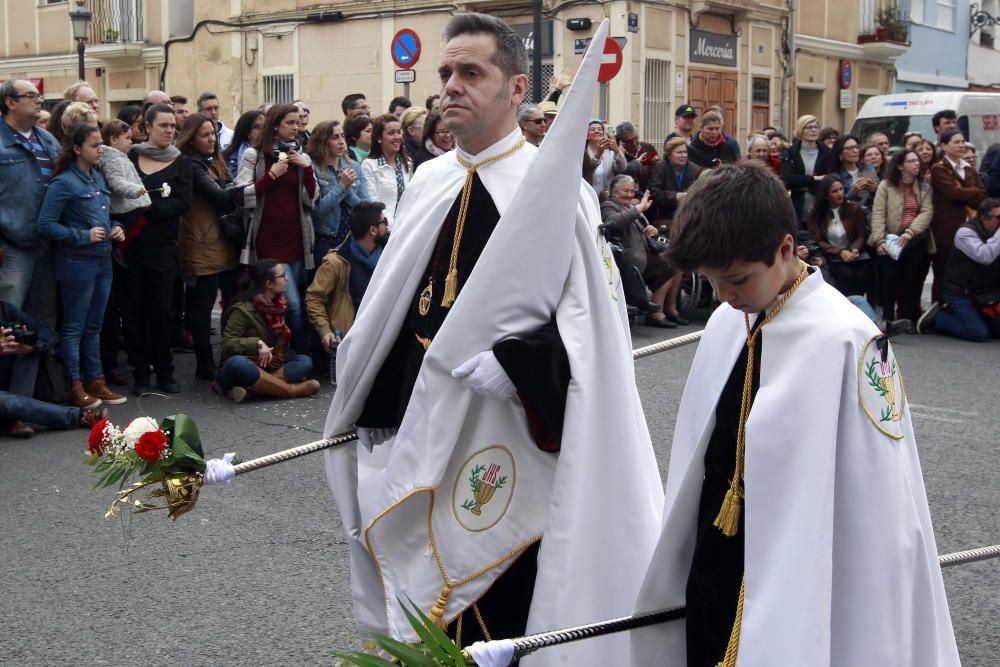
(255, 341)
(971, 289)
(17, 409)
(342, 278)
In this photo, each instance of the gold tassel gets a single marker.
(450, 289)
(437, 611)
(728, 520)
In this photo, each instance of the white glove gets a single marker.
(371, 437)
(484, 375)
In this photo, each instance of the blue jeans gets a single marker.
(962, 319)
(85, 285)
(296, 317)
(13, 407)
(241, 371)
(863, 305)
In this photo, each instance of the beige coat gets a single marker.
(328, 299)
(887, 213)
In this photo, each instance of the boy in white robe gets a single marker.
(796, 529)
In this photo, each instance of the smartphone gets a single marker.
(608, 130)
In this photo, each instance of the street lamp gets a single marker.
(80, 17)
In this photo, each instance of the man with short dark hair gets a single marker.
(942, 121)
(208, 106)
(533, 123)
(28, 153)
(399, 105)
(354, 101)
(343, 276)
(433, 104)
(828, 136)
(181, 111)
(683, 123)
(971, 289)
(469, 309)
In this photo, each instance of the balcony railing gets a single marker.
(116, 21)
(882, 21)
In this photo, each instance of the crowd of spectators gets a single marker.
(121, 236)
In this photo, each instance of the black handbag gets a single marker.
(233, 227)
(655, 245)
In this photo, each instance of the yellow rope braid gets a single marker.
(451, 281)
(734, 637)
(728, 520)
(437, 611)
(482, 623)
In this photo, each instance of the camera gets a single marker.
(21, 333)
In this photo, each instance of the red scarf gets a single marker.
(718, 140)
(275, 313)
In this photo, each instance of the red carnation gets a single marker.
(98, 440)
(151, 445)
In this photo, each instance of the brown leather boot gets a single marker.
(271, 385)
(98, 388)
(80, 398)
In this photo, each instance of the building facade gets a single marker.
(984, 48)
(124, 51)
(939, 34)
(841, 59)
(736, 54)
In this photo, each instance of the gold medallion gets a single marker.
(424, 304)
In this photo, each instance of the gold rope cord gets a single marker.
(451, 281)
(437, 611)
(728, 520)
(734, 637)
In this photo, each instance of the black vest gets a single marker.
(963, 275)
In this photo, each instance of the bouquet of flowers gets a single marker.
(168, 454)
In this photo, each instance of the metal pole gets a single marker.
(536, 50)
(603, 108)
(79, 57)
(406, 90)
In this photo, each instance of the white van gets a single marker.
(978, 116)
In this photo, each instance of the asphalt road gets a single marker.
(258, 573)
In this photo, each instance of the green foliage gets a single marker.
(873, 378)
(474, 479)
(435, 648)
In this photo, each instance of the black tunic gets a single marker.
(713, 584)
(535, 361)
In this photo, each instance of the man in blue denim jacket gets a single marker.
(27, 154)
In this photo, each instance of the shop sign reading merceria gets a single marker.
(712, 48)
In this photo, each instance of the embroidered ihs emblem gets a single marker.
(484, 488)
(880, 387)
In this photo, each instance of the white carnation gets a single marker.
(282, 156)
(137, 427)
(166, 189)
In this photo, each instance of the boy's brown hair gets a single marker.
(733, 212)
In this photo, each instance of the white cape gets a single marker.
(840, 560)
(597, 502)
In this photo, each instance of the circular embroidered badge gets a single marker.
(880, 387)
(484, 488)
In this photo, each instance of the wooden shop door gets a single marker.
(712, 88)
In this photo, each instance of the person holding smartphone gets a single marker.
(602, 157)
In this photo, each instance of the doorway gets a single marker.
(712, 88)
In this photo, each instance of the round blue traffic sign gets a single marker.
(405, 48)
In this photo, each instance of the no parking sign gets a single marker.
(405, 48)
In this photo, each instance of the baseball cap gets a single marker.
(685, 110)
